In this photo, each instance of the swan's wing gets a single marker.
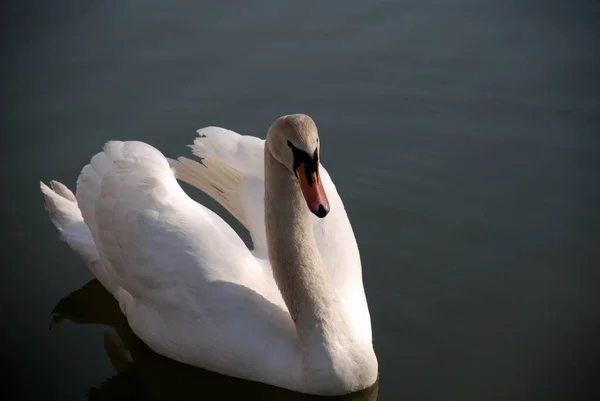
(244, 153)
(185, 280)
(232, 172)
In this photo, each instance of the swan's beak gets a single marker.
(313, 191)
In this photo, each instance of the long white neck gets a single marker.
(328, 345)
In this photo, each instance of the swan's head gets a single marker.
(293, 141)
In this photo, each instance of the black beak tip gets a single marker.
(322, 212)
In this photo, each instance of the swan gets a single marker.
(286, 313)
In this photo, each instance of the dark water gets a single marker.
(462, 135)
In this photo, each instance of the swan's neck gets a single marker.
(293, 253)
(326, 339)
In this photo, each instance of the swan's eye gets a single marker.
(298, 157)
(302, 158)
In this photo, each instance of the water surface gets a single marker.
(462, 136)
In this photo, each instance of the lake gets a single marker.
(463, 137)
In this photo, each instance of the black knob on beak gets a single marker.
(322, 212)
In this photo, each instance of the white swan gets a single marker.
(292, 313)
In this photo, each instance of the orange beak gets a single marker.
(313, 191)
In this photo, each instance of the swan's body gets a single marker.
(291, 313)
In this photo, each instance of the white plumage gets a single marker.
(189, 286)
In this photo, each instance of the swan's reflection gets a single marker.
(143, 374)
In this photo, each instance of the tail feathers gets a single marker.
(62, 190)
(215, 178)
(60, 204)
(64, 212)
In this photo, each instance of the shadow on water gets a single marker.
(142, 374)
